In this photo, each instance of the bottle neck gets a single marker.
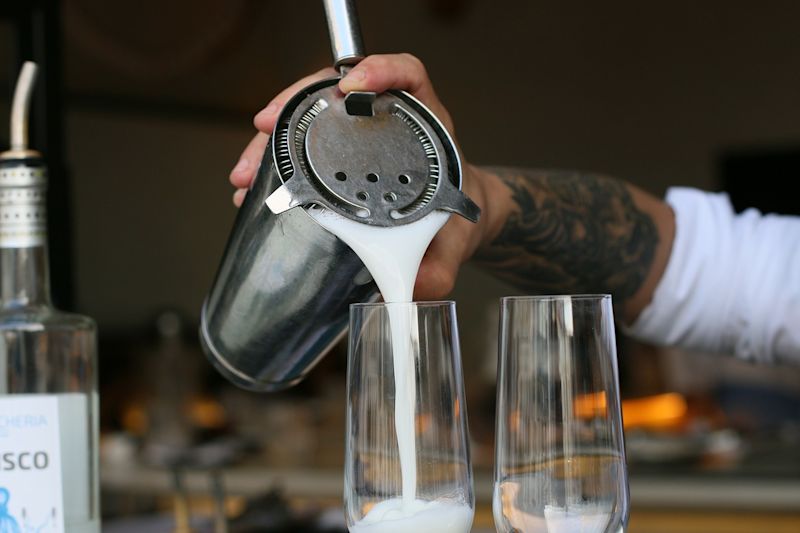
(24, 271)
(24, 277)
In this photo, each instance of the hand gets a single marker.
(459, 238)
(245, 170)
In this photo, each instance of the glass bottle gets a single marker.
(48, 379)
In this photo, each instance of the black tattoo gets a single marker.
(571, 233)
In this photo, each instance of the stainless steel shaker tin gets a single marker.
(281, 295)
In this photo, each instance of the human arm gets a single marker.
(560, 232)
(732, 283)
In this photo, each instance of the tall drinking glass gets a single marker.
(559, 453)
(407, 465)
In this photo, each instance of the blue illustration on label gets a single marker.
(8, 524)
(43, 525)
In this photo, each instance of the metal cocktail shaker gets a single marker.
(281, 295)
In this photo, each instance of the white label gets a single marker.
(30, 464)
(23, 213)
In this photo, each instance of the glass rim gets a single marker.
(422, 303)
(554, 297)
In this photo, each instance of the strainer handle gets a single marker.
(346, 43)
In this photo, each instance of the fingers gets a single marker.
(435, 279)
(376, 73)
(244, 171)
(238, 197)
(439, 268)
(264, 121)
(455, 243)
(379, 73)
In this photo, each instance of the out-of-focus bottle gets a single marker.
(48, 370)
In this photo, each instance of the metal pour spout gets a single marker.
(20, 110)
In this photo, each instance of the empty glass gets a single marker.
(407, 465)
(559, 454)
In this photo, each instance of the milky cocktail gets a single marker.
(407, 467)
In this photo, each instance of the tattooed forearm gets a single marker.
(571, 233)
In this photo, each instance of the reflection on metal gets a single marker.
(280, 299)
(346, 43)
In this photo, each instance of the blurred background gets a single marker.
(144, 107)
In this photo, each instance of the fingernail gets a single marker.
(357, 74)
(271, 109)
(241, 166)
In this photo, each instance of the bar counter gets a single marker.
(660, 504)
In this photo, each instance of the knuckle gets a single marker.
(412, 59)
(377, 61)
(416, 64)
(442, 281)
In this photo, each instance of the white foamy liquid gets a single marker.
(576, 519)
(392, 516)
(392, 256)
(517, 501)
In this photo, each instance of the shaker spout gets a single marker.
(291, 194)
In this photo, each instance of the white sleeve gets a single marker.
(732, 282)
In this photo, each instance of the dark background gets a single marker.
(144, 107)
(148, 106)
(158, 100)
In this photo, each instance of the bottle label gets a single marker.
(22, 207)
(31, 496)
